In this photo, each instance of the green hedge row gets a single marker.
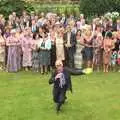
(58, 8)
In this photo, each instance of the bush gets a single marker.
(58, 8)
(99, 7)
(8, 6)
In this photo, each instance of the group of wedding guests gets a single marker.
(35, 42)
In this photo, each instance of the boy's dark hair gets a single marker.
(109, 34)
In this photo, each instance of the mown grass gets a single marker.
(27, 96)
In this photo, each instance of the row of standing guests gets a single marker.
(19, 50)
(40, 51)
(66, 39)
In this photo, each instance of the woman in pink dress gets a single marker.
(27, 45)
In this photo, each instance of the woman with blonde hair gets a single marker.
(60, 55)
(88, 50)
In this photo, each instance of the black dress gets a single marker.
(88, 51)
(53, 55)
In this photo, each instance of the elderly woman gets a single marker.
(2, 51)
(62, 82)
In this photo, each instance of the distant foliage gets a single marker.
(67, 9)
(99, 7)
(8, 6)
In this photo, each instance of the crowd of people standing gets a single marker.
(34, 42)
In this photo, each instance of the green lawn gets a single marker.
(27, 96)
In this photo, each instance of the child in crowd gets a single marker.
(118, 60)
(114, 60)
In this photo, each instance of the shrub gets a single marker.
(8, 6)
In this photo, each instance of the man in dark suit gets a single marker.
(116, 26)
(70, 43)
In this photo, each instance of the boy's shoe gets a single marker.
(58, 107)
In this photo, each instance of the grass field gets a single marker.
(27, 96)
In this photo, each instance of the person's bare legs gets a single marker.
(41, 68)
(0, 65)
(46, 69)
(98, 68)
(104, 67)
(26, 69)
(89, 64)
(107, 68)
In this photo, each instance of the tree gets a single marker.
(8, 6)
(99, 7)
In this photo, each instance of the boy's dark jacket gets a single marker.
(68, 85)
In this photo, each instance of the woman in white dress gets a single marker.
(78, 57)
(60, 45)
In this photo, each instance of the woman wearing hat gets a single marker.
(62, 82)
